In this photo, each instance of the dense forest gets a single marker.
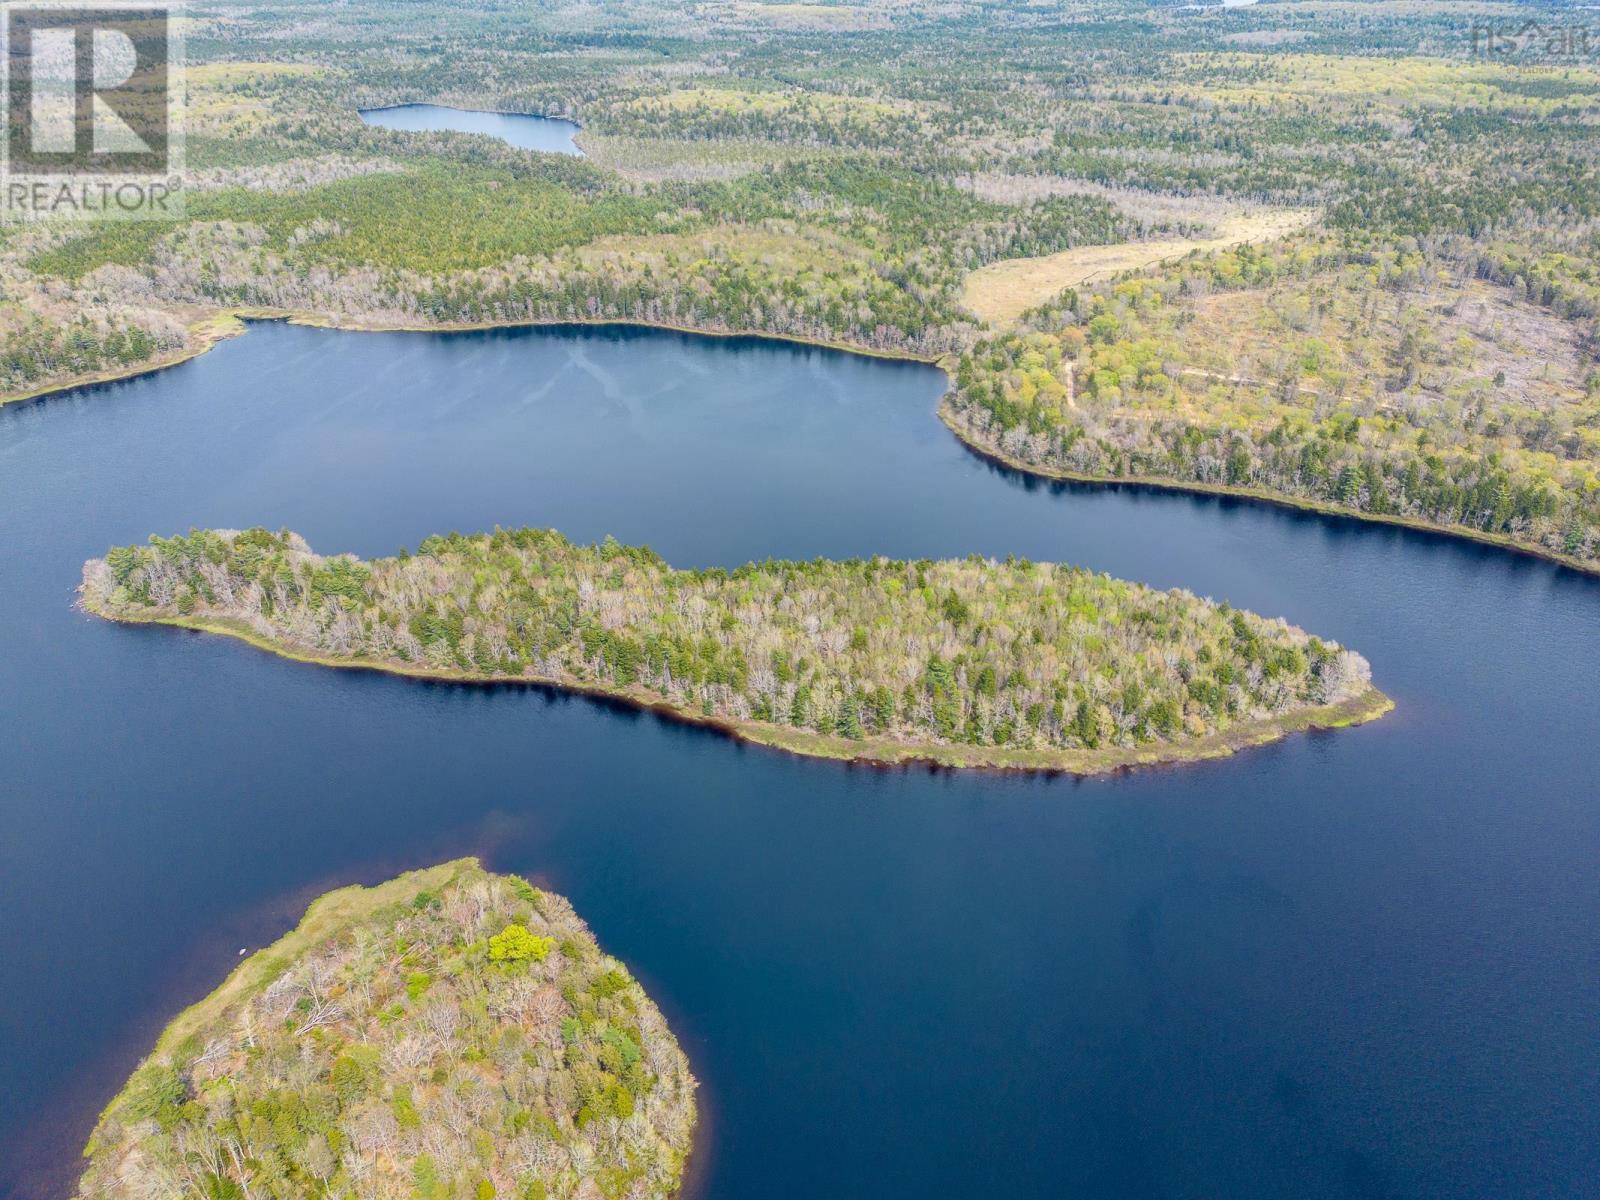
(874, 652)
(35, 349)
(449, 1035)
(1450, 383)
(841, 173)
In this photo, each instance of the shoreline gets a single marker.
(207, 333)
(225, 323)
(362, 110)
(228, 323)
(1323, 508)
(322, 918)
(328, 917)
(1369, 706)
(318, 919)
(316, 320)
(578, 150)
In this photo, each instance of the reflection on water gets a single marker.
(1352, 964)
(523, 130)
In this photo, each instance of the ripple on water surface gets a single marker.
(1363, 963)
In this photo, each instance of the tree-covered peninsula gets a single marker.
(969, 663)
(1342, 260)
(448, 1035)
(1454, 388)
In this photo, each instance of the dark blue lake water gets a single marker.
(524, 130)
(1357, 964)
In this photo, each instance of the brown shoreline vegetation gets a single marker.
(227, 323)
(959, 425)
(1423, 352)
(451, 1032)
(1441, 391)
(200, 336)
(976, 663)
(208, 332)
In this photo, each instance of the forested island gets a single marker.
(449, 1034)
(967, 663)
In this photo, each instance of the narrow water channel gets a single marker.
(1355, 964)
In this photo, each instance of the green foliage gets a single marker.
(515, 944)
(306, 1086)
(808, 178)
(34, 347)
(355, 1073)
(1384, 380)
(155, 1094)
(625, 1047)
(849, 650)
(425, 1178)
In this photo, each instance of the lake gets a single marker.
(523, 130)
(1354, 964)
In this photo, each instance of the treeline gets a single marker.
(1355, 377)
(845, 223)
(871, 254)
(728, 281)
(34, 349)
(979, 653)
(449, 1035)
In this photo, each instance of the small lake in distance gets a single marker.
(526, 131)
(1350, 966)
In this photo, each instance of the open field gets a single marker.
(655, 160)
(1003, 291)
(1399, 84)
(329, 917)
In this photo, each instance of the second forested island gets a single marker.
(965, 663)
(452, 1034)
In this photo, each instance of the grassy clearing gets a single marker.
(228, 73)
(1003, 291)
(1340, 341)
(327, 918)
(655, 160)
(1407, 82)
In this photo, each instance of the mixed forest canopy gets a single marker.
(867, 653)
(1453, 387)
(1392, 211)
(448, 1035)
